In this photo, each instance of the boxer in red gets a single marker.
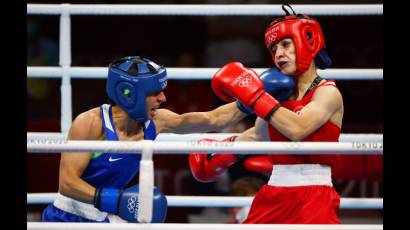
(300, 189)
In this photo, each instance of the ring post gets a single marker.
(145, 196)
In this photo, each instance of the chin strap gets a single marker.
(315, 83)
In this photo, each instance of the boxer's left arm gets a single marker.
(215, 120)
(296, 126)
(247, 135)
(261, 130)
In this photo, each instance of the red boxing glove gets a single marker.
(210, 169)
(234, 81)
(258, 164)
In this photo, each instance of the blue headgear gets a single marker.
(130, 80)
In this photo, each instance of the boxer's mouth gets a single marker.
(281, 64)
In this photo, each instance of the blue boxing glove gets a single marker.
(277, 84)
(124, 203)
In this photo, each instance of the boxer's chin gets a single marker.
(152, 113)
(288, 68)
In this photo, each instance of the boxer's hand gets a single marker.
(234, 81)
(209, 168)
(258, 164)
(277, 84)
(124, 203)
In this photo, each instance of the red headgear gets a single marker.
(306, 34)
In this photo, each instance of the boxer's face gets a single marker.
(153, 102)
(285, 56)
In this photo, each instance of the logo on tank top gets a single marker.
(297, 109)
(114, 159)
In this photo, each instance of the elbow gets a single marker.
(298, 134)
(66, 185)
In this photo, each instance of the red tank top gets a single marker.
(328, 132)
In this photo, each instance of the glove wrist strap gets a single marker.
(265, 105)
(107, 200)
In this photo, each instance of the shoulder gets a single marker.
(328, 96)
(326, 89)
(87, 125)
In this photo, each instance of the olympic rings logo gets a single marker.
(132, 205)
(271, 37)
(245, 82)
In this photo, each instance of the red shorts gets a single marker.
(310, 204)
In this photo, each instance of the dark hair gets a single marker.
(111, 102)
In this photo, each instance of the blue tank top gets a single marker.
(114, 170)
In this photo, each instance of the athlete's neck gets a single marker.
(125, 123)
(305, 80)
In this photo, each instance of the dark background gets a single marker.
(200, 41)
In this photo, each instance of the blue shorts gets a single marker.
(53, 214)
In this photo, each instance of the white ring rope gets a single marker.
(166, 147)
(220, 201)
(194, 73)
(203, 10)
(344, 137)
(126, 226)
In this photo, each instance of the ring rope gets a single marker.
(221, 201)
(166, 147)
(193, 73)
(132, 226)
(344, 137)
(202, 10)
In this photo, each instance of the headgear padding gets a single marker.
(307, 36)
(130, 80)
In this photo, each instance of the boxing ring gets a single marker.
(183, 144)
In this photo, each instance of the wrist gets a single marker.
(265, 106)
(107, 200)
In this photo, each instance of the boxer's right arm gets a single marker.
(85, 127)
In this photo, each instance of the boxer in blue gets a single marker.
(93, 187)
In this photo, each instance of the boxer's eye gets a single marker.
(285, 44)
(273, 49)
